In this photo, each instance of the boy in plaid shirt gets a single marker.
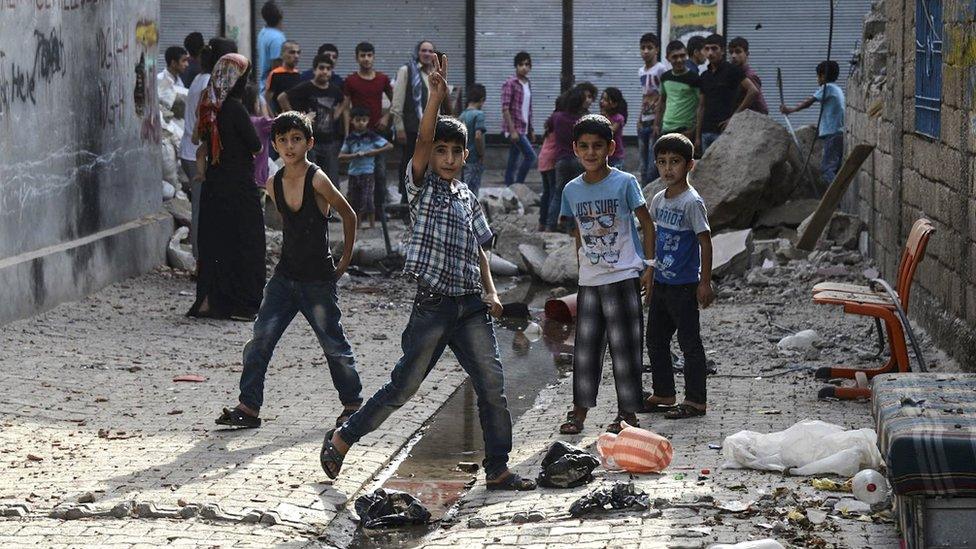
(445, 255)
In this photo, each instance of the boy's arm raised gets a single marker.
(425, 137)
(324, 187)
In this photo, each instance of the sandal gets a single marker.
(683, 411)
(512, 482)
(615, 427)
(573, 425)
(329, 457)
(235, 417)
(346, 413)
(656, 407)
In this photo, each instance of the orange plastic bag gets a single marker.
(634, 450)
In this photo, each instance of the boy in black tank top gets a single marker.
(305, 277)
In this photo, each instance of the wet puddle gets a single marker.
(428, 466)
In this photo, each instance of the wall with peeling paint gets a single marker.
(911, 175)
(80, 132)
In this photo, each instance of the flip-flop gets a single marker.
(329, 457)
(683, 411)
(656, 408)
(512, 482)
(573, 425)
(235, 417)
(615, 427)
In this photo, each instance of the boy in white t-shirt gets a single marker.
(612, 272)
(650, 78)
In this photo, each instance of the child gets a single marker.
(262, 125)
(547, 168)
(474, 120)
(697, 61)
(614, 107)
(650, 79)
(305, 277)
(360, 149)
(831, 98)
(325, 99)
(682, 280)
(739, 53)
(604, 202)
(575, 104)
(517, 119)
(445, 255)
(680, 95)
(721, 85)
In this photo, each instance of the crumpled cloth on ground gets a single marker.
(809, 447)
(566, 466)
(621, 495)
(385, 508)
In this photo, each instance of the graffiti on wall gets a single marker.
(144, 92)
(21, 76)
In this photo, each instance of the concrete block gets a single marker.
(731, 252)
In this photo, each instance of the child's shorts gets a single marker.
(361, 194)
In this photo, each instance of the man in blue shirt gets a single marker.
(831, 98)
(270, 40)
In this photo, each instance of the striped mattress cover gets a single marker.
(927, 432)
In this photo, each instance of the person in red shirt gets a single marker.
(365, 88)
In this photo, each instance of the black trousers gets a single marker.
(674, 308)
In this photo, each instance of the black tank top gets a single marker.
(305, 254)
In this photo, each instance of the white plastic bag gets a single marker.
(807, 448)
(176, 256)
(767, 543)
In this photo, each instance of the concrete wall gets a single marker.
(911, 175)
(79, 153)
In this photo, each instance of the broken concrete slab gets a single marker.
(811, 232)
(733, 190)
(525, 194)
(561, 265)
(534, 257)
(789, 214)
(731, 253)
(502, 267)
(843, 229)
(500, 200)
(181, 210)
(512, 232)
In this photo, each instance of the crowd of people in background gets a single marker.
(694, 90)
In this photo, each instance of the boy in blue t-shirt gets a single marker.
(682, 280)
(831, 98)
(474, 119)
(612, 271)
(361, 148)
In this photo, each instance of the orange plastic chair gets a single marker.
(865, 301)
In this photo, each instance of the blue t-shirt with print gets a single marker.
(611, 248)
(832, 104)
(474, 120)
(362, 142)
(678, 222)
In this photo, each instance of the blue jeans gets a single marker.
(522, 148)
(566, 170)
(436, 322)
(707, 139)
(833, 152)
(648, 167)
(318, 303)
(471, 176)
(548, 187)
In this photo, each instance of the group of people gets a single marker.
(632, 255)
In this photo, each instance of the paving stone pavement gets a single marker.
(88, 404)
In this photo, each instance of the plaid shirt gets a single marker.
(512, 96)
(447, 228)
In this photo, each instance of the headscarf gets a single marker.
(225, 75)
(416, 81)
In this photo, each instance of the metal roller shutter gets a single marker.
(502, 29)
(393, 26)
(777, 40)
(178, 18)
(606, 47)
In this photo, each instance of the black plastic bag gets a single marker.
(621, 495)
(385, 508)
(566, 466)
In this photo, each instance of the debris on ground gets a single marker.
(830, 485)
(177, 256)
(566, 466)
(384, 508)
(621, 495)
(731, 253)
(807, 448)
(634, 450)
(767, 543)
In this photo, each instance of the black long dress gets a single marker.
(231, 242)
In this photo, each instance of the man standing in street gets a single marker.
(517, 120)
(270, 40)
(720, 86)
(283, 78)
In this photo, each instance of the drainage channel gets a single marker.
(428, 466)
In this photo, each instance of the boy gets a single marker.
(361, 148)
(739, 53)
(332, 52)
(305, 277)
(177, 60)
(720, 86)
(448, 228)
(474, 120)
(366, 88)
(831, 98)
(696, 54)
(650, 79)
(682, 281)
(680, 95)
(283, 77)
(320, 97)
(604, 202)
(270, 40)
(517, 119)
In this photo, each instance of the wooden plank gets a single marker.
(809, 234)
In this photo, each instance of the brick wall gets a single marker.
(910, 175)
